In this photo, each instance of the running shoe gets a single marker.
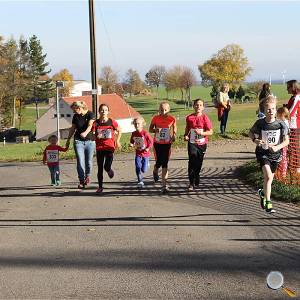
(269, 207)
(140, 184)
(111, 173)
(53, 183)
(99, 191)
(165, 190)
(262, 198)
(190, 188)
(155, 176)
(87, 180)
(81, 185)
(58, 183)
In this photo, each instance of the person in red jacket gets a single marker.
(293, 106)
(142, 142)
(105, 130)
(51, 158)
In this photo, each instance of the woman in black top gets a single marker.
(84, 144)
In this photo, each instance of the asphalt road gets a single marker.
(214, 243)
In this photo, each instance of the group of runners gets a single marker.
(270, 134)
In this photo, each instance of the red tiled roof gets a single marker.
(118, 107)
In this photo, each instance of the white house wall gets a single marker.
(46, 124)
(78, 88)
(126, 125)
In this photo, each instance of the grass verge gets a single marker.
(251, 173)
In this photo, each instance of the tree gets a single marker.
(187, 80)
(254, 88)
(240, 93)
(134, 84)
(41, 87)
(229, 65)
(65, 76)
(108, 80)
(173, 80)
(155, 77)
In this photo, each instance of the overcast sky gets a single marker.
(140, 34)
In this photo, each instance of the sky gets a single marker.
(140, 34)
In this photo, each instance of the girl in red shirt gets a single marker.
(51, 158)
(105, 130)
(142, 141)
(165, 129)
(198, 128)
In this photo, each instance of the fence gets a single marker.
(288, 170)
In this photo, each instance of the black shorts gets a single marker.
(264, 161)
(162, 154)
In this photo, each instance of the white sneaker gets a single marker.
(140, 184)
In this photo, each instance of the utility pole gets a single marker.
(93, 57)
(59, 84)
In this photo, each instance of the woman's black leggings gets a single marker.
(104, 161)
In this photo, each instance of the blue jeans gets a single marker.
(84, 154)
(224, 121)
(141, 166)
(54, 172)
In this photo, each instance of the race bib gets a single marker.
(104, 133)
(293, 122)
(196, 138)
(139, 143)
(52, 156)
(270, 137)
(163, 135)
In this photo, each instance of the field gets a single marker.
(241, 117)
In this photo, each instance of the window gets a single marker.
(55, 115)
(68, 116)
(62, 115)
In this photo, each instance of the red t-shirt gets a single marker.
(51, 154)
(164, 124)
(105, 134)
(141, 140)
(294, 109)
(200, 122)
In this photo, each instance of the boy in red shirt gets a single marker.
(104, 129)
(165, 129)
(198, 128)
(142, 142)
(51, 158)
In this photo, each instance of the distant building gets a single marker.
(120, 110)
(83, 88)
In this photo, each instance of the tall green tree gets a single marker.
(229, 65)
(41, 87)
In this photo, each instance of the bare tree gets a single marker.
(108, 80)
(155, 77)
(187, 80)
(134, 84)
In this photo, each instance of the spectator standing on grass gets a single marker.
(84, 144)
(293, 106)
(224, 107)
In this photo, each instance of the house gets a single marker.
(119, 110)
(82, 88)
